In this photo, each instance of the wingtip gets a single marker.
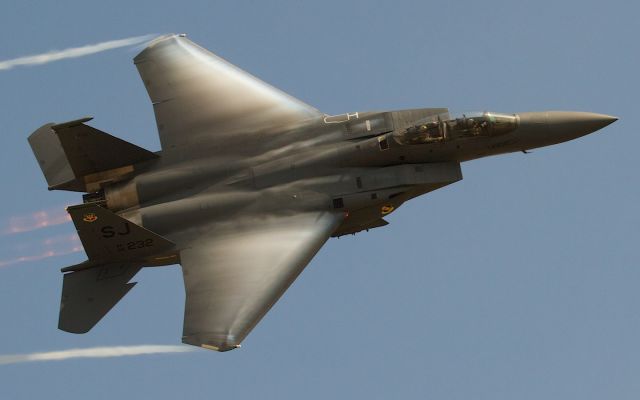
(155, 42)
(220, 349)
(212, 342)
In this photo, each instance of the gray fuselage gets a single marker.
(364, 165)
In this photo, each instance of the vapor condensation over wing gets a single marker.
(73, 52)
(36, 220)
(94, 352)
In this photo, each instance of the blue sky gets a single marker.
(518, 282)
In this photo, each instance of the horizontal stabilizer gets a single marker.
(107, 237)
(88, 295)
(77, 157)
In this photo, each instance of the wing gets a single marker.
(201, 99)
(235, 272)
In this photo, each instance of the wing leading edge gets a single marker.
(201, 99)
(235, 272)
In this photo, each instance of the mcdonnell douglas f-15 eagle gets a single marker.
(249, 184)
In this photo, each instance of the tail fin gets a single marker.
(109, 238)
(74, 156)
(88, 295)
(117, 249)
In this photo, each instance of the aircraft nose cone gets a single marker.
(539, 129)
(575, 124)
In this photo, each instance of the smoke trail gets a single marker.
(70, 239)
(37, 220)
(73, 52)
(38, 257)
(94, 352)
(51, 246)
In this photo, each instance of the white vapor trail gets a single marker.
(94, 352)
(72, 52)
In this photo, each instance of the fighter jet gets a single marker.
(249, 184)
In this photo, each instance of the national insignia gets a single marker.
(386, 209)
(90, 217)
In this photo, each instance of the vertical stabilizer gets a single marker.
(77, 157)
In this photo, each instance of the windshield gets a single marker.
(465, 125)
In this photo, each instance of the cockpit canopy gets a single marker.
(446, 127)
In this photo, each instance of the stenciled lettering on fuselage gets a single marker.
(336, 119)
(137, 244)
(110, 231)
